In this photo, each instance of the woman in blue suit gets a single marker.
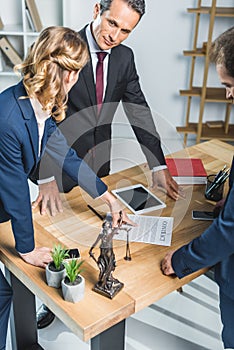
(216, 245)
(27, 118)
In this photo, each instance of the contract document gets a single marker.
(150, 229)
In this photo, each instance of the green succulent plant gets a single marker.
(73, 269)
(58, 254)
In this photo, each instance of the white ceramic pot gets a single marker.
(73, 293)
(54, 278)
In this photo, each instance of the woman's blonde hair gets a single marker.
(57, 49)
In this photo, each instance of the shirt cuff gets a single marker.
(45, 181)
(160, 167)
(25, 253)
(101, 194)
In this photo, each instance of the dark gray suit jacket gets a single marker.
(89, 134)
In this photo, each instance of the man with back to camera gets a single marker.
(88, 123)
(216, 245)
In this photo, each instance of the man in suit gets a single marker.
(87, 126)
(216, 245)
(88, 123)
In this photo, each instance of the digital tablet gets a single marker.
(138, 199)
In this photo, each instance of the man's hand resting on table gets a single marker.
(166, 265)
(49, 197)
(162, 178)
(219, 207)
(38, 257)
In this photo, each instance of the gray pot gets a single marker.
(73, 293)
(54, 278)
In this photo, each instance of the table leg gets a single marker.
(23, 316)
(113, 338)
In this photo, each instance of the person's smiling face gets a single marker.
(114, 25)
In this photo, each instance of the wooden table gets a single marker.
(96, 317)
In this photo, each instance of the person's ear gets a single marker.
(96, 10)
(66, 76)
(72, 77)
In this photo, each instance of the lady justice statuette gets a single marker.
(107, 285)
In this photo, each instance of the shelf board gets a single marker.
(208, 133)
(12, 29)
(19, 32)
(198, 52)
(219, 12)
(190, 129)
(31, 33)
(8, 72)
(212, 94)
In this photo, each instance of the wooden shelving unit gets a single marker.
(204, 93)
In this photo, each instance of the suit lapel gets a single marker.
(34, 137)
(86, 77)
(112, 76)
(29, 117)
(86, 74)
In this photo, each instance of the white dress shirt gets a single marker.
(94, 48)
(41, 117)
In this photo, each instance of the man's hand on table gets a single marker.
(162, 178)
(38, 257)
(166, 265)
(219, 207)
(49, 196)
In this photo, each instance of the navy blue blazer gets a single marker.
(19, 143)
(214, 247)
(88, 131)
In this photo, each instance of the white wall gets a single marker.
(158, 42)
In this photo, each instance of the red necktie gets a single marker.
(99, 79)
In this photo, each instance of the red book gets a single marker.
(187, 171)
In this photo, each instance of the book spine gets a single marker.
(30, 21)
(1, 63)
(1, 24)
(9, 51)
(32, 8)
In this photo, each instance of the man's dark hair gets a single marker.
(222, 51)
(136, 5)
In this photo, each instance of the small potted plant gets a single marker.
(55, 270)
(73, 284)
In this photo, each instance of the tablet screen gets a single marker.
(139, 199)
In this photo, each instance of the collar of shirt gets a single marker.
(41, 117)
(93, 49)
